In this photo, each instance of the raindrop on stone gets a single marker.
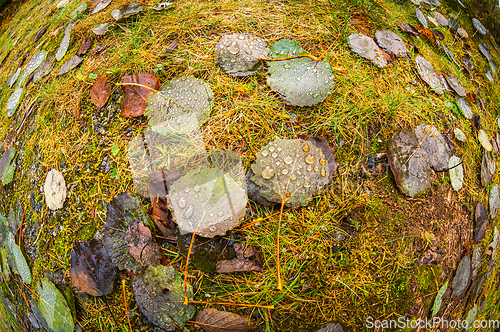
(196, 188)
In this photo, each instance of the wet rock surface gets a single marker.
(481, 217)
(366, 48)
(462, 277)
(391, 43)
(426, 71)
(410, 165)
(435, 144)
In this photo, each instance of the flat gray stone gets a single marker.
(55, 190)
(481, 217)
(431, 140)
(366, 48)
(455, 85)
(494, 201)
(409, 164)
(441, 19)
(63, 47)
(462, 277)
(456, 173)
(479, 26)
(426, 71)
(488, 168)
(70, 65)
(13, 78)
(14, 100)
(485, 50)
(391, 43)
(464, 107)
(421, 17)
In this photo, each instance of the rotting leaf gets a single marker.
(85, 46)
(92, 270)
(100, 92)
(159, 294)
(301, 81)
(242, 263)
(54, 307)
(239, 54)
(7, 166)
(101, 29)
(427, 34)
(140, 244)
(213, 320)
(162, 6)
(205, 253)
(136, 94)
(123, 210)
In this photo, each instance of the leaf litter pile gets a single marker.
(174, 228)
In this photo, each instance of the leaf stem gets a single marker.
(126, 307)
(278, 267)
(186, 300)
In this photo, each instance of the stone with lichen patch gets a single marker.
(55, 190)
(238, 54)
(207, 201)
(290, 170)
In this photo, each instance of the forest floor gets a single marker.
(349, 256)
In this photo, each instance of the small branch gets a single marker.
(186, 300)
(235, 304)
(126, 307)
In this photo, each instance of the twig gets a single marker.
(186, 300)
(235, 304)
(126, 307)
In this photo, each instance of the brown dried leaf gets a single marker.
(242, 263)
(85, 46)
(100, 92)
(438, 34)
(136, 94)
(140, 244)
(97, 50)
(213, 320)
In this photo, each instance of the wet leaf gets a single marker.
(301, 81)
(140, 244)
(460, 135)
(488, 168)
(14, 100)
(135, 97)
(7, 166)
(481, 217)
(162, 6)
(91, 270)
(239, 54)
(123, 210)
(439, 299)
(181, 105)
(100, 92)
(253, 190)
(205, 253)
(328, 152)
(207, 201)
(242, 263)
(213, 320)
(17, 259)
(290, 171)
(366, 48)
(126, 11)
(159, 294)
(54, 308)
(85, 46)
(70, 65)
(408, 28)
(409, 164)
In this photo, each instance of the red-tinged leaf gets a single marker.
(213, 320)
(85, 46)
(91, 270)
(408, 28)
(100, 92)
(427, 34)
(386, 56)
(136, 91)
(438, 34)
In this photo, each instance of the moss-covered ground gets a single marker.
(349, 255)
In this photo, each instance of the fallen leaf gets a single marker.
(91, 270)
(97, 50)
(70, 65)
(170, 48)
(7, 166)
(54, 307)
(213, 320)
(242, 263)
(408, 28)
(140, 244)
(126, 11)
(100, 92)
(135, 96)
(427, 34)
(328, 152)
(101, 29)
(98, 5)
(438, 34)
(85, 46)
